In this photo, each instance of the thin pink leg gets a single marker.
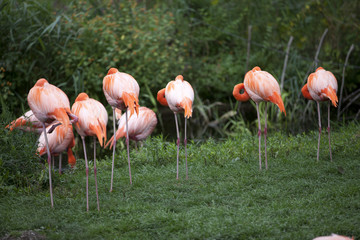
(265, 135)
(95, 171)
(49, 164)
(185, 143)
(259, 133)
(127, 145)
(53, 162)
(328, 129)
(318, 107)
(113, 155)
(87, 174)
(178, 145)
(60, 160)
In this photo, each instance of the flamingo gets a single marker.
(121, 91)
(28, 123)
(49, 103)
(334, 237)
(92, 121)
(61, 139)
(321, 86)
(140, 126)
(260, 86)
(179, 96)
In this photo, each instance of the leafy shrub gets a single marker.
(19, 166)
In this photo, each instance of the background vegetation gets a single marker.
(74, 43)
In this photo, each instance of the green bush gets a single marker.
(20, 167)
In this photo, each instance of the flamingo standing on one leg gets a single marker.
(179, 96)
(321, 86)
(260, 86)
(140, 126)
(60, 140)
(92, 121)
(121, 91)
(49, 103)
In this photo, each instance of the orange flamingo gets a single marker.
(260, 86)
(334, 237)
(321, 86)
(60, 140)
(179, 96)
(140, 126)
(28, 123)
(121, 91)
(49, 103)
(92, 121)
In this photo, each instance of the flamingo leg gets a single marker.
(127, 144)
(60, 159)
(95, 171)
(265, 135)
(49, 163)
(259, 133)
(318, 108)
(328, 129)
(53, 162)
(185, 142)
(87, 174)
(113, 156)
(178, 145)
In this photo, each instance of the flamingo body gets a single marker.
(121, 90)
(60, 140)
(179, 96)
(92, 116)
(48, 102)
(262, 86)
(321, 86)
(334, 237)
(27, 122)
(140, 126)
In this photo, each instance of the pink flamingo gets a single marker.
(260, 86)
(139, 126)
(121, 91)
(179, 96)
(321, 86)
(49, 103)
(92, 121)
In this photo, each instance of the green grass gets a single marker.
(226, 196)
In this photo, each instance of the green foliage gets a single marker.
(20, 168)
(73, 44)
(226, 195)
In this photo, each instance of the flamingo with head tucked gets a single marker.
(260, 86)
(60, 140)
(28, 123)
(179, 96)
(92, 121)
(121, 91)
(140, 126)
(321, 86)
(49, 103)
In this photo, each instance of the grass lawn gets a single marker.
(226, 195)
